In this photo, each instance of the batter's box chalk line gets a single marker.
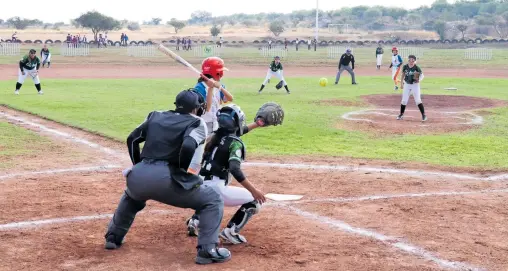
(58, 171)
(473, 120)
(388, 240)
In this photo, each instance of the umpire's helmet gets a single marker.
(231, 119)
(188, 100)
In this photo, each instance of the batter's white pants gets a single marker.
(379, 59)
(32, 73)
(277, 74)
(411, 89)
(233, 196)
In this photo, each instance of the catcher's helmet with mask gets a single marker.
(231, 119)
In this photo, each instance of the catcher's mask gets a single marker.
(188, 100)
(231, 119)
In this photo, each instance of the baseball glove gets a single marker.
(279, 85)
(416, 77)
(268, 114)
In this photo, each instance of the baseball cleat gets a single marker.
(424, 118)
(214, 255)
(192, 227)
(230, 236)
(16, 92)
(400, 117)
(396, 88)
(40, 92)
(112, 242)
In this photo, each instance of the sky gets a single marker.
(167, 9)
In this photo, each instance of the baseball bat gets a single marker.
(182, 61)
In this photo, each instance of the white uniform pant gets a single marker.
(233, 196)
(379, 59)
(411, 89)
(46, 58)
(32, 73)
(277, 74)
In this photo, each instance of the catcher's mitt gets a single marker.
(279, 85)
(268, 114)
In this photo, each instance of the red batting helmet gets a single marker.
(395, 49)
(213, 66)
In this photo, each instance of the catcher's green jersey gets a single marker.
(30, 64)
(275, 67)
(409, 71)
(216, 162)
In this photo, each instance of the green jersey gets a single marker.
(216, 161)
(275, 67)
(379, 51)
(409, 71)
(29, 64)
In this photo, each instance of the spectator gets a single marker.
(297, 43)
(189, 44)
(84, 39)
(184, 44)
(178, 44)
(309, 43)
(285, 43)
(269, 44)
(126, 39)
(122, 38)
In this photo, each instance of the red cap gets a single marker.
(213, 66)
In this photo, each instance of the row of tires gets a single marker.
(324, 43)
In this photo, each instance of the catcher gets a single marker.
(224, 154)
(411, 77)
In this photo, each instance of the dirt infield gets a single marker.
(10, 72)
(351, 218)
(445, 114)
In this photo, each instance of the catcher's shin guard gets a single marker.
(238, 221)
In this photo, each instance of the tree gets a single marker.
(248, 23)
(21, 24)
(372, 14)
(176, 24)
(462, 28)
(97, 22)
(200, 16)
(156, 21)
(296, 18)
(133, 26)
(440, 28)
(215, 30)
(277, 27)
(2, 21)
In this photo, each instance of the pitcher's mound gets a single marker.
(444, 114)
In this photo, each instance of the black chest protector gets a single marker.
(216, 162)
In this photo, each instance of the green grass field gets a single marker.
(115, 107)
(365, 56)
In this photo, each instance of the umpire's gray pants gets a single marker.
(152, 181)
(347, 68)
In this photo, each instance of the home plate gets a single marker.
(283, 197)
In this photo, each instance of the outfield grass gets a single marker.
(365, 56)
(115, 107)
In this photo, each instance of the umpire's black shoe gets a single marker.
(112, 242)
(214, 255)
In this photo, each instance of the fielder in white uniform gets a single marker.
(276, 70)
(45, 56)
(395, 66)
(29, 66)
(411, 86)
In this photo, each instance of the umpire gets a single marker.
(344, 61)
(160, 173)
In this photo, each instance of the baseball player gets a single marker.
(411, 77)
(395, 66)
(224, 154)
(344, 61)
(160, 173)
(379, 56)
(45, 56)
(29, 65)
(276, 70)
(213, 67)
